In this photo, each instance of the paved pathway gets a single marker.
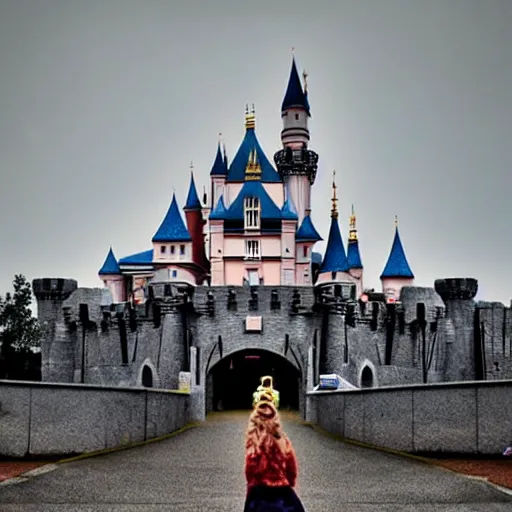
(202, 470)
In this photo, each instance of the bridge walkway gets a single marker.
(201, 469)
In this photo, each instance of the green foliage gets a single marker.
(19, 330)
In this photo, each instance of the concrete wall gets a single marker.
(64, 419)
(457, 418)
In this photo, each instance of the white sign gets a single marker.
(184, 381)
(253, 324)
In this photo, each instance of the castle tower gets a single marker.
(172, 248)
(335, 265)
(289, 227)
(305, 238)
(218, 175)
(195, 225)
(110, 274)
(216, 221)
(353, 256)
(58, 348)
(296, 164)
(397, 273)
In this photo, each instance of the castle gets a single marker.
(255, 227)
(237, 291)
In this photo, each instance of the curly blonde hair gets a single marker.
(265, 440)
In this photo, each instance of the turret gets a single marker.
(216, 222)
(305, 238)
(335, 265)
(289, 227)
(297, 165)
(218, 174)
(195, 224)
(172, 248)
(355, 264)
(110, 274)
(397, 273)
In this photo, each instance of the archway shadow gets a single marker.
(232, 381)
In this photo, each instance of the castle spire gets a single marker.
(172, 228)
(295, 97)
(334, 210)
(353, 255)
(219, 167)
(250, 118)
(193, 202)
(110, 265)
(353, 231)
(397, 264)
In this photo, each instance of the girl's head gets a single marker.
(264, 427)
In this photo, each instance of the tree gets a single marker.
(19, 330)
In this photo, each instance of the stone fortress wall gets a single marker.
(433, 335)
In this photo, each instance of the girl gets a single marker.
(270, 463)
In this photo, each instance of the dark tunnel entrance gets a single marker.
(233, 380)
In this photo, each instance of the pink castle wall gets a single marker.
(159, 257)
(391, 286)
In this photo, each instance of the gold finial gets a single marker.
(191, 166)
(253, 168)
(396, 221)
(250, 118)
(334, 211)
(352, 237)
(305, 76)
(293, 50)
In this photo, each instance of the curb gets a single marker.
(398, 453)
(47, 468)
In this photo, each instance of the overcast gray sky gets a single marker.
(104, 103)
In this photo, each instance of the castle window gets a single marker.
(162, 249)
(252, 212)
(296, 117)
(305, 251)
(174, 274)
(254, 279)
(182, 250)
(172, 249)
(252, 249)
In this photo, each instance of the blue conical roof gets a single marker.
(335, 259)
(397, 265)
(238, 165)
(295, 96)
(193, 202)
(307, 231)
(288, 210)
(219, 212)
(110, 266)
(353, 256)
(269, 209)
(219, 167)
(173, 228)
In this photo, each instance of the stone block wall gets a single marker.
(447, 418)
(65, 419)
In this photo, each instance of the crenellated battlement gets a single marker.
(419, 338)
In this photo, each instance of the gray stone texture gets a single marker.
(494, 406)
(14, 420)
(346, 349)
(448, 347)
(388, 419)
(445, 420)
(64, 419)
(451, 418)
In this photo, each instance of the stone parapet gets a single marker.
(456, 288)
(53, 288)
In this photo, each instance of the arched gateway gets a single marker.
(232, 380)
